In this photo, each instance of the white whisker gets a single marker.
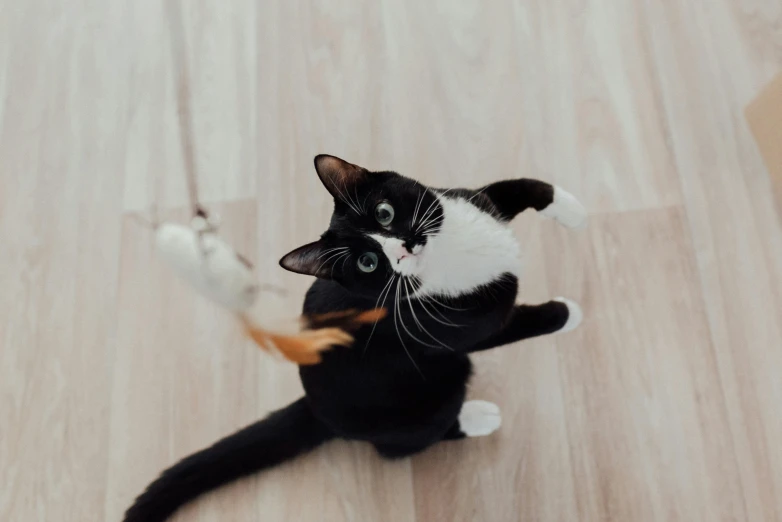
(432, 221)
(477, 193)
(433, 224)
(422, 298)
(434, 301)
(404, 326)
(328, 251)
(355, 191)
(387, 290)
(334, 263)
(430, 209)
(398, 334)
(344, 261)
(438, 303)
(350, 198)
(426, 215)
(417, 206)
(418, 323)
(443, 320)
(345, 200)
(364, 204)
(332, 256)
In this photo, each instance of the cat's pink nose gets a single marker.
(401, 252)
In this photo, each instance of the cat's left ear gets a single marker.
(339, 176)
(315, 259)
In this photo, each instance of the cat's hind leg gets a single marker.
(476, 419)
(511, 197)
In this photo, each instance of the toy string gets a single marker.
(185, 120)
(184, 114)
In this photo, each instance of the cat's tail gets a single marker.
(281, 436)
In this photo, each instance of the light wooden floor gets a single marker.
(664, 406)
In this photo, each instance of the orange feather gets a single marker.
(322, 332)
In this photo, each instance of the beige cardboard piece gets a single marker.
(765, 119)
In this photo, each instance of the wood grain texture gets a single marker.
(737, 238)
(59, 261)
(649, 440)
(663, 406)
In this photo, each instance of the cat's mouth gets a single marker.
(408, 264)
(404, 255)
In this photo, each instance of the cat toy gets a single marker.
(213, 268)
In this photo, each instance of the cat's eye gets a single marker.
(367, 262)
(384, 213)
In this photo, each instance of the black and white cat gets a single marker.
(445, 265)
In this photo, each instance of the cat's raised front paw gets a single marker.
(575, 315)
(479, 418)
(566, 209)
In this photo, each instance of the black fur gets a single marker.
(398, 389)
(513, 196)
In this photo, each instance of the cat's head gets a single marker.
(381, 226)
(391, 232)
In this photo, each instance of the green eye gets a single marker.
(367, 262)
(384, 213)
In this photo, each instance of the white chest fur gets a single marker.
(471, 249)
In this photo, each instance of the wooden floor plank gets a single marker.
(706, 80)
(664, 406)
(59, 231)
(649, 434)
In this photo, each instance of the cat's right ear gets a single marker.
(338, 176)
(313, 259)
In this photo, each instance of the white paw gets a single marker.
(479, 418)
(566, 209)
(575, 315)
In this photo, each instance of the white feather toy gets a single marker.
(214, 269)
(204, 260)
